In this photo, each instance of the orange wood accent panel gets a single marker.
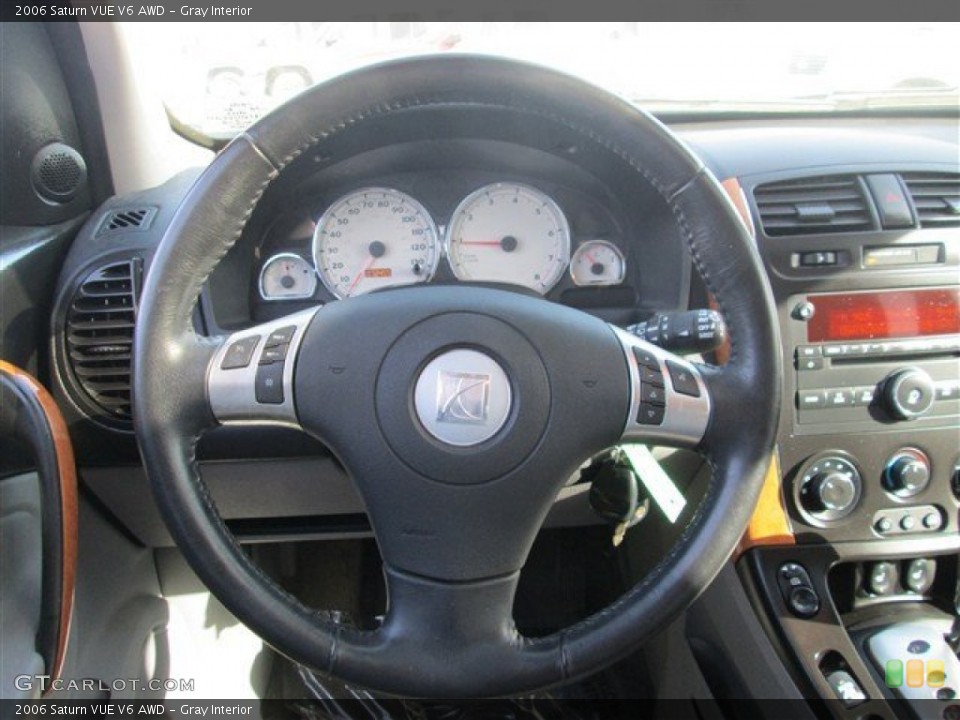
(769, 524)
(68, 501)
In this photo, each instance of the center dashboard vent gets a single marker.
(936, 197)
(99, 339)
(808, 206)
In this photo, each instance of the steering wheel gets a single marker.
(458, 411)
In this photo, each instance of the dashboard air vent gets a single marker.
(99, 331)
(135, 218)
(936, 197)
(825, 204)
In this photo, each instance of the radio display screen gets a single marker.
(880, 315)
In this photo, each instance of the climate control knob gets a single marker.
(907, 473)
(908, 393)
(830, 489)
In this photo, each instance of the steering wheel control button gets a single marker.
(650, 414)
(269, 384)
(682, 379)
(647, 359)
(651, 376)
(797, 590)
(240, 353)
(883, 578)
(652, 395)
(277, 353)
(463, 397)
(280, 336)
(920, 575)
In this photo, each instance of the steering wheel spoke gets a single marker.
(670, 401)
(250, 376)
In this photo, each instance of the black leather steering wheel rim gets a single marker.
(172, 362)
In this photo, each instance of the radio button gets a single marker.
(839, 397)
(809, 363)
(863, 396)
(834, 350)
(948, 390)
(808, 351)
(811, 399)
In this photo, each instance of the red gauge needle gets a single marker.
(366, 266)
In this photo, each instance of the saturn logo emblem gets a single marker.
(463, 397)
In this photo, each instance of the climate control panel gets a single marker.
(907, 491)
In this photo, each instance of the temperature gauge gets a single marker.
(598, 262)
(287, 277)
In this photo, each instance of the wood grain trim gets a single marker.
(769, 524)
(67, 470)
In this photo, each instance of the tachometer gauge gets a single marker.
(287, 277)
(509, 233)
(374, 238)
(597, 262)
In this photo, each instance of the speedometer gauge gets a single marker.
(509, 233)
(374, 238)
(287, 277)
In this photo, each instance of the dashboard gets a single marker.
(856, 220)
(535, 211)
(450, 211)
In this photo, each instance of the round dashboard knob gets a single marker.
(907, 473)
(833, 491)
(830, 489)
(908, 393)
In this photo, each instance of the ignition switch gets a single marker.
(616, 494)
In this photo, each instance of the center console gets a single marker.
(860, 595)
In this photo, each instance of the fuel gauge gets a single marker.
(287, 277)
(597, 262)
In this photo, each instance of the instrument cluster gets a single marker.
(376, 237)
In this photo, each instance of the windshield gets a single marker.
(217, 78)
